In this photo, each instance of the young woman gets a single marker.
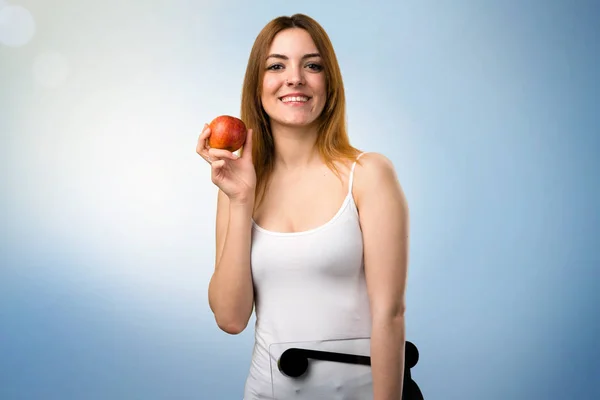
(309, 231)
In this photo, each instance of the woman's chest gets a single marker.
(332, 251)
(301, 207)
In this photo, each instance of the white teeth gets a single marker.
(298, 98)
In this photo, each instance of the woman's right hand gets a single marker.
(234, 175)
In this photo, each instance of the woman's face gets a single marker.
(294, 87)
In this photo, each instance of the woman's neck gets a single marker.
(295, 148)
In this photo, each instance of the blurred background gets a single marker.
(489, 111)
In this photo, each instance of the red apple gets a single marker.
(227, 133)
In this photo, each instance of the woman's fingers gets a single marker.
(205, 133)
(202, 145)
(247, 149)
(216, 168)
(217, 165)
(218, 154)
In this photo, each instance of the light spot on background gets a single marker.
(50, 69)
(17, 25)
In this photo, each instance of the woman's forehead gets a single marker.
(292, 43)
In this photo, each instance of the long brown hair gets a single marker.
(332, 142)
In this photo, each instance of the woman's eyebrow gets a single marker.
(284, 57)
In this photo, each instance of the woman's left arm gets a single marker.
(384, 221)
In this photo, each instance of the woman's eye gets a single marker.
(312, 66)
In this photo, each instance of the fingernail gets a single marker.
(235, 155)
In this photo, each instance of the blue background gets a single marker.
(489, 111)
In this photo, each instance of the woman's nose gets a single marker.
(295, 78)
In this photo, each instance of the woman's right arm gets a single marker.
(231, 292)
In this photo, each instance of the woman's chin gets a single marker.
(295, 122)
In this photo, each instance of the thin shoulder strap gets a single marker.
(351, 180)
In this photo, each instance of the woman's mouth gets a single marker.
(294, 100)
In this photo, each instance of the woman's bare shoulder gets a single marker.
(373, 161)
(375, 174)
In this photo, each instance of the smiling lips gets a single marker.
(294, 99)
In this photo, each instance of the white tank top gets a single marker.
(309, 286)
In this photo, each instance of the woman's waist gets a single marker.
(324, 374)
(309, 327)
(270, 344)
